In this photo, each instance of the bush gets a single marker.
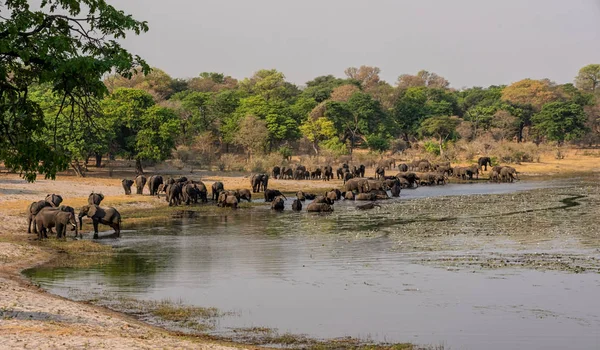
(285, 152)
(229, 162)
(333, 147)
(432, 147)
(378, 143)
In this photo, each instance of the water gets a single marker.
(306, 274)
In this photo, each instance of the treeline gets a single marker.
(148, 117)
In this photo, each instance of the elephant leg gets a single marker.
(29, 223)
(95, 223)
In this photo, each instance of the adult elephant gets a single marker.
(107, 216)
(140, 182)
(190, 193)
(411, 178)
(227, 199)
(127, 186)
(379, 172)
(508, 174)
(297, 205)
(32, 210)
(358, 185)
(258, 182)
(202, 191)
(174, 194)
(483, 162)
(278, 204)
(403, 167)
(340, 173)
(319, 208)
(216, 187)
(95, 198)
(153, 182)
(287, 173)
(271, 194)
(54, 199)
(276, 172)
(245, 194)
(50, 217)
(327, 173)
(396, 189)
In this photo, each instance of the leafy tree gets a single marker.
(368, 77)
(144, 131)
(69, 46)
(588, 78)
(320, 88)
(535, 93)
(269, 84)
(410, 110)
(560, 121)
(377, 143)
(344, 92)
(440, 127)
(318, 130)
(422, 79)
(157, 83)
(253, 135)
(212, 82)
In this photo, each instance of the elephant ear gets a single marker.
(101, 196)
(92, 210)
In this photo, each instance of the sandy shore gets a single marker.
(33, 319)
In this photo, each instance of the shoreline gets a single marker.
(32, 317)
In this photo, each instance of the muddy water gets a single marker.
(342, 274)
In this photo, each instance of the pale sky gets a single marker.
(470, 42)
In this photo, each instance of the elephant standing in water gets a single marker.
(51, 200)
(106, 216)
(278, 204)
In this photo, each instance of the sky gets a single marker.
(469, 42)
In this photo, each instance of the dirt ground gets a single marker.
(31, 318)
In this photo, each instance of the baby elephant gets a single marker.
(127, 186)
(297, 205)
(278, 204)
(319, 208)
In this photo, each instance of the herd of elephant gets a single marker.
(50, 213)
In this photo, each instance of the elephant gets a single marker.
(440, 165)
(95, 198)
(386, 163)
(276, 172)
(140, 182)
(358, 185)
(446, 170)
(287, 173)
(246, 195)
(367, 206)
(227, 200)
(497, 168)
(49, 217)
(174, 194)
(127, 186)
(366, 196)
(217, 187)
(411, 178)
(190, 193)
(379, 172)
(310, 196)
(380, 194)
(424, 166)
(181, 180)
(271, 194)
(340, 173)
(32, 210)
(54, 199)
(202, 190)
(258, 181)
(278, 204)
(495, 176)
(474, 171)
(153, 182)
(316, 174)
(508, 174)
(347, 176)
(297, 205)
(403, 167)
(300, 196)
(327, 173)
(332, 196)
(162, 188)
(396, 189)
(99, 215)
(323, 199)
(349, 195)
(319, 208)
(483, 162)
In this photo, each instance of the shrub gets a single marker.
(378, 143)
(432, 147)
(333, 147)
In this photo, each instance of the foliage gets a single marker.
(432, 147)
(378, 143)
(68, 46)
(253, 135)
(588, 79)
(560, 121)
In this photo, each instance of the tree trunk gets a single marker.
(98, 160)
(138, 166)
(77, 168)
(441, 146)
(316, 149)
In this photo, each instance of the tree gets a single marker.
(530, 92)
(422, 79)
(157, 83)
(367, 76)
(344, 92)
(560, 121)
(144, 131)
(317, 130)
(212, 82)
(253, 135)
(588, 78)
(69, 46)
(440, 127)
(270, 84)
(410, 110)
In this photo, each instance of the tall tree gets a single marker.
(367, 76)
(253, 135)
(422, 79)
(588, 78)
(441, 127)
(560, 121)
(68, 46)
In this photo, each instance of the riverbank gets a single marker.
(32, 318)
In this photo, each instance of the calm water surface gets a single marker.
(299, 273)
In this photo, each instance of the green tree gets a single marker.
(560, 121)
(318, 130)
(144, 131)
(588, 78)
(410, 110)
(253, 135)
(440, 127)
(64, 44)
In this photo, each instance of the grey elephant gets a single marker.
(323, 199)
(483, 162)
(366, 197)
(153, 182)
(190, 193)
(358, 185)
(140, 182)
(107, 216)
(271, 194)
(349, 195)
(127, 185)
(174, 195)
(319, 208)
(245, 194)
(297, 205)
(508, 174)
(258, 182)
(495, 176)
(227, 200)
(95, 198)
(54, 199)
(217, 187)
(51, 200)
(50, 217)
(278, 204)
(403, 167)
(396, 189)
